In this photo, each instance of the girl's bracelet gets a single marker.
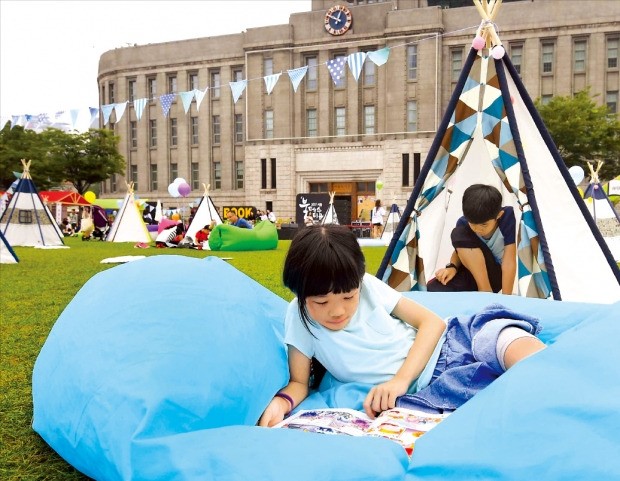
(288, 398)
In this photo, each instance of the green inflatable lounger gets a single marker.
(225, 237)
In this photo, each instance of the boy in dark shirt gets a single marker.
(484, 257)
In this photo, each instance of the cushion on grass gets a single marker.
(225, 237)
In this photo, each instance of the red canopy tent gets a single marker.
(66, 197)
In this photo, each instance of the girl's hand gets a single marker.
(383, 396)
(274, 413)
(445, 275)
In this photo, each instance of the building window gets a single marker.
(312, 75)
(237, 74)
(405, 171)
(611, 99)
(579, 56)
(269, 124)
(342, 81)
(417, 165)
(133, 175)
(192, 81)
(133, 134)
(340, 121)
(194, 129)
(369, 119)
(370, 70)
(174, 171)
(318, 187)
(103, 94)
(152, 87)
(195, 176)
(273, 173)
(216, 130)
(238, 128)
(263, 173)
(153, 176)
(612, 53)
(311, 123)
(131, 88)
(173, 132)
(412, 116)
(217, 175)
(456, 63)
(412, 62)
(172, 84)
(111, 92)
(545, 99)
(215, 84)
(267, 66)
(113, 183)
(547, 57)
(239, 174)
(516, 56)
(153, 133)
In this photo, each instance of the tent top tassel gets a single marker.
(486, 35)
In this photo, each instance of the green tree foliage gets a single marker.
(83, 159)
(583, 131)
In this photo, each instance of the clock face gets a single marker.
(338, 20)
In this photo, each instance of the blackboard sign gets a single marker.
(310, 205)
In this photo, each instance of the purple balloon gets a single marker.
(184, 189)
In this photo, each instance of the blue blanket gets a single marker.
(160, 369)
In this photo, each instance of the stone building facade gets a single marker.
(265, 149)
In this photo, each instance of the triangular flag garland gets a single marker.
(336, 68)
(237, 88)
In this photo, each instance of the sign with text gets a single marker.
(310, 205)
(245, 211)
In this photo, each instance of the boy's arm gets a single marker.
(509, 268)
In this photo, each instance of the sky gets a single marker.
(50, 50)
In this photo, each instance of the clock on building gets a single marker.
(338, 20)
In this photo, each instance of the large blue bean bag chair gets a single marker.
(160, 369)
(225, 237)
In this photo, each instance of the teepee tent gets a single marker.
(128, 225)
(391, 224)
(26, 221)
(7, 254)
(205, 214)
(330, 216)
(491, 133)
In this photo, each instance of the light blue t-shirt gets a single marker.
(370, 349)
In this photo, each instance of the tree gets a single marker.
(583, 131)
(18, 143)
(83, 159)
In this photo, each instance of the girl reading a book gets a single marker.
(364, 331)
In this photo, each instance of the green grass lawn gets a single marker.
(34, 292)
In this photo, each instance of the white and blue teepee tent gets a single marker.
(205, 214)
(7, 254)
(330, 216)
(26, 221)
(391, 224)
(492, 133)
(128, 226)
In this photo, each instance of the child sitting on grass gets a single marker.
(362, 330)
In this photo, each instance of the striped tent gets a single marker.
(491, 133)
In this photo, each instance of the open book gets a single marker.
(402, 425)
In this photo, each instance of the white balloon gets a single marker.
(173, 190)
(179, 180)
(577, 174)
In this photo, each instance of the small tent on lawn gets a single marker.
(391, 224)
(7, 254)
(492, 133)
(128, 225)
(205, 214)
(26, 221)
(330, 216)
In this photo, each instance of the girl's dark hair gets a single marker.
(322, 259)
(481, 203)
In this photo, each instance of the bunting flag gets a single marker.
(336, 69)
(186, 98)
(200, 94)
(166, 103)
(74, 116)
(237, 88)
(271, 81)
(94, 115)
(107, 111)
(139, 105)
(379, 57)
(119, 108)
(297, 75)
(356, 62)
